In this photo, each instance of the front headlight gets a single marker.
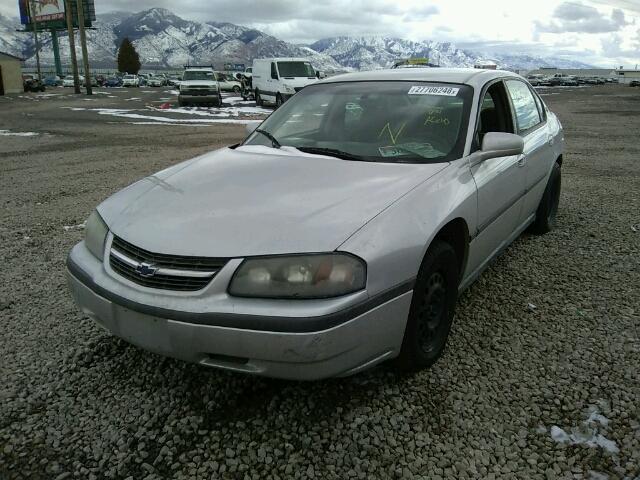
(289, 89)
(299, 276)
(96, 234)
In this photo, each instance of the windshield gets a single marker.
(296, 69)
(374, 121)
(198, 75)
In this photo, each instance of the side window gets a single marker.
(495, 113)
(540, 105)
(526, 109)
(274, 72)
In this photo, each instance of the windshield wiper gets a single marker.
(274, 142)
(332, 152)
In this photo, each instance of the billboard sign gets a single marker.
(48, 10)
(51, 13)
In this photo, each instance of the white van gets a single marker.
(277, 79)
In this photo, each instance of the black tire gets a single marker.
(236, 89)
(548, 208)
(258, 99)
(432, 309)
(182, 103)
(279, 101)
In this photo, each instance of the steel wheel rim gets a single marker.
(432, 313)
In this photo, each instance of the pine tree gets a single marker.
(128, 59)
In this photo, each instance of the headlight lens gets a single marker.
(96, 234)
(299, 276)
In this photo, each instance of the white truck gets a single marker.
(199, 85)
(275, 80)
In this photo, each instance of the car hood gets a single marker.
(256, 200)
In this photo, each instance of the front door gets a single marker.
(500, 183)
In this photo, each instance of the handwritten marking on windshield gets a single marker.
(434, 117)
(393, 137)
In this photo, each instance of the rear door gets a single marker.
(532, 127)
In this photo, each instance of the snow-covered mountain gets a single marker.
(367, 53)
(164, 39)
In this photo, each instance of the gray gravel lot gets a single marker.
(541, 379)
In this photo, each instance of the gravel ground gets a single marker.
(540, 379)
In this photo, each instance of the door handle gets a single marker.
(522, 161)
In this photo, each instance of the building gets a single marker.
(486, 65)
(10, 74)
(627, 75)
(577, 72)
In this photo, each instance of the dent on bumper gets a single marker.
(342, 350)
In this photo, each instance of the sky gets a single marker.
(600, 32)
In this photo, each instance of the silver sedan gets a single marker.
(338, 235)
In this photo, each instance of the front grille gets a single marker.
(157, 270)
(200, 91)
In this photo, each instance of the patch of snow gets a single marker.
(587, 433)
(9, 133)
(125, 113)
(597, 476)
(217, 112)
(131, 99)
(167, 124)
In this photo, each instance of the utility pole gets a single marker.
(83, 42)
(56, 51)
(34, 23)
(68, 10)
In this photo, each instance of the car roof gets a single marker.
(475, 77)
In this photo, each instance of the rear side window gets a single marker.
(527, 114)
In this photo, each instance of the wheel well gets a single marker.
(559, 160)
(456, 234)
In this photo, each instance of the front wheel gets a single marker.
(279, 101)
(548, 208)
(258, 98)
(432, 309)
(236, 89)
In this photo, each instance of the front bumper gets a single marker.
(354, 344)
(199, 98)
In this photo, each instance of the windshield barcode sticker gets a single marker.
(448, 91)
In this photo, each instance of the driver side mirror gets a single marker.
(499, 144)
(251, 126)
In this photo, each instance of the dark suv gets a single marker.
(32, 84)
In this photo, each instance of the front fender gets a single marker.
(394, 242)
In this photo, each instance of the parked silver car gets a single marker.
(337, 235)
